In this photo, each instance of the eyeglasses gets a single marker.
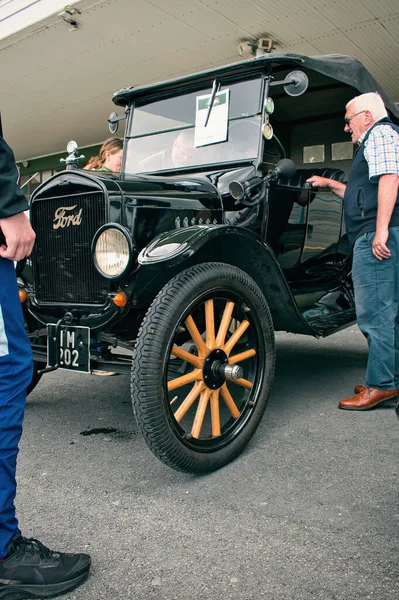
(348, 119)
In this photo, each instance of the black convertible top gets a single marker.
(342, 68)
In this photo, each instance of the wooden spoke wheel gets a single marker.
(202, 367)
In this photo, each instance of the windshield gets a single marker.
(171, 134)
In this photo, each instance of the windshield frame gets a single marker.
(197, 88)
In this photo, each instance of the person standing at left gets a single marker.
(27, 568)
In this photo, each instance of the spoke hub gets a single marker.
(216, 369)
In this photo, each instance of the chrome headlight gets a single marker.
(112, 250)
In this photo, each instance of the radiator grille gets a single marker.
(62, 263)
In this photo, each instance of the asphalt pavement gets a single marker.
(308, 511)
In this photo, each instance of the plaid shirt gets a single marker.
(381, 150)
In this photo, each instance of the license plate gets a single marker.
(74, 348)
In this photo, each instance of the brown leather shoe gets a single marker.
(359, 388)
(367, 398)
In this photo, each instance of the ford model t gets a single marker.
(180, 268)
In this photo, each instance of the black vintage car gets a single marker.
(180, 268)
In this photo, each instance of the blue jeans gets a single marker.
(15, 375)
(376, 286)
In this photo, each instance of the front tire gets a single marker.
(193, 414)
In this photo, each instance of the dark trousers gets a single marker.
(15, 375)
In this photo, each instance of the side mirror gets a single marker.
(298, 83)
(113, 122)
(295, 84)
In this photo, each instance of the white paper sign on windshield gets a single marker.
(216, 128)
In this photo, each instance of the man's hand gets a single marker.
(388, 186)
(335, 186)
(319, 182)
(19, 236)
(380, 248)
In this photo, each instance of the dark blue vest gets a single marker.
(361, 195)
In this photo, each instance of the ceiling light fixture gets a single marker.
(68, 15)
(249, 48)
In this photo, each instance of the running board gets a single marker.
(328, 324)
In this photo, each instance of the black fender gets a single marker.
(171, 252)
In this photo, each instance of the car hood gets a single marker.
(71, 182)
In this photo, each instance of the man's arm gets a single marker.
(336, 187)
(12, 199)
(388, 186)
(382, 154)
(14, 224)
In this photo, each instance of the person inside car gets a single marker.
(109, 158)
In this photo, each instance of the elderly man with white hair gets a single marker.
(371, 212)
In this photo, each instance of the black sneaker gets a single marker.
(33, 571)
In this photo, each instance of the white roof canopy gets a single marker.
(59, 71)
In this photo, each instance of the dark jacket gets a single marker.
(361, 194)
(12, 199)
